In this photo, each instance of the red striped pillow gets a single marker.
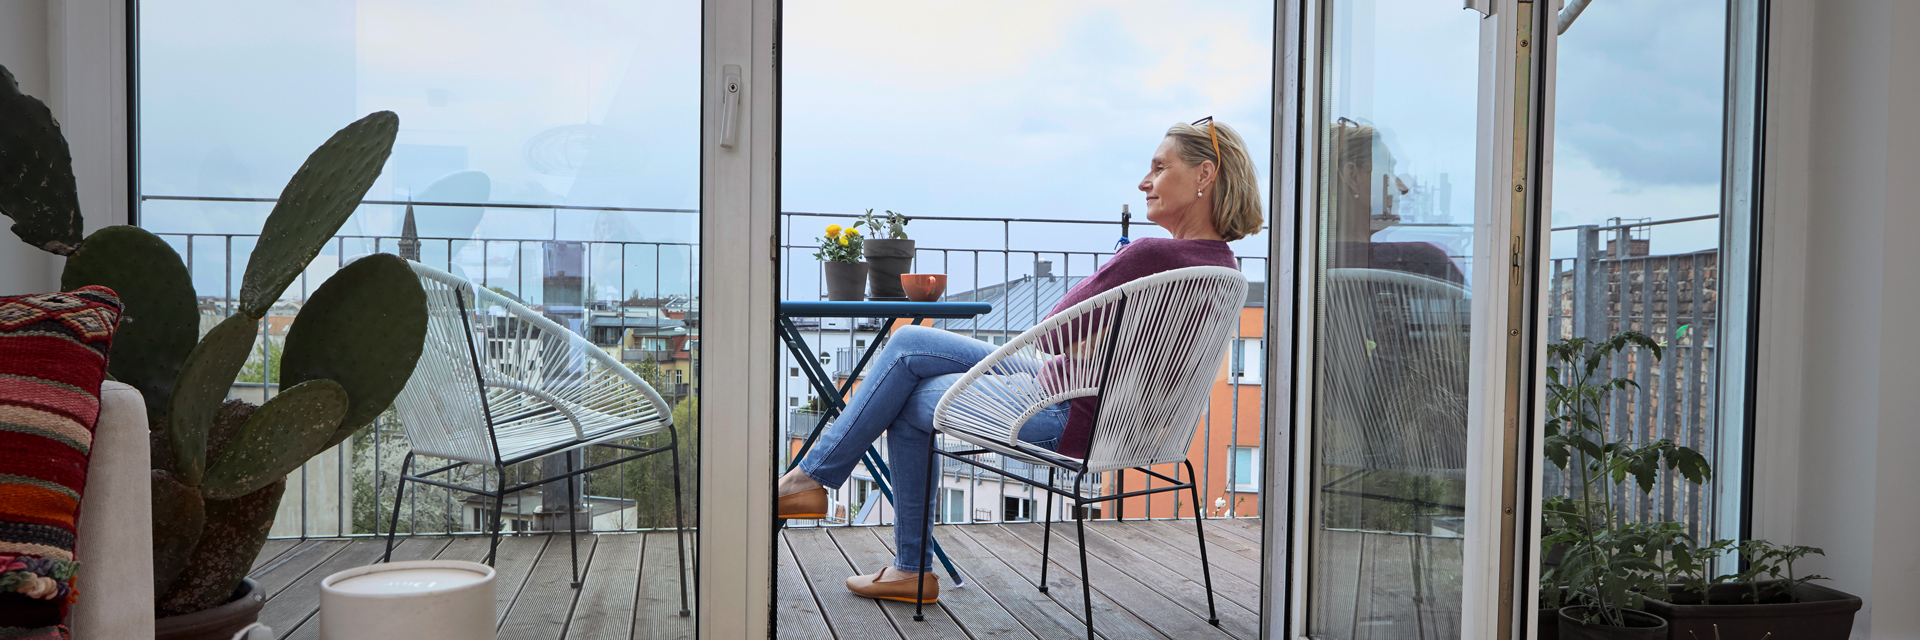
(53, 356)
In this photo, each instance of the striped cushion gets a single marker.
(53, 356)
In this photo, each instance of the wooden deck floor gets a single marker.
(1146, 581)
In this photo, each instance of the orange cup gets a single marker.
(924, 287)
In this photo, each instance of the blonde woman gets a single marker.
(1200, 187)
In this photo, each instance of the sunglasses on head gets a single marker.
(1212, 136)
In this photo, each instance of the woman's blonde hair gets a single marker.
(1236, 189)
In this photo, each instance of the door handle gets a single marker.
(730, 87)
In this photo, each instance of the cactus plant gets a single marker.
(219, 466)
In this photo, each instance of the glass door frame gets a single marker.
(739, 138)
(1508, 354)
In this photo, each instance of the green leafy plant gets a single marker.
(841, 244)
(1769, 570)
(220, 466)
(896, 224)
(1611, 564)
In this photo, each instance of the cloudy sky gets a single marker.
(986, 108)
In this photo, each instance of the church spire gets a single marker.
(409, 238)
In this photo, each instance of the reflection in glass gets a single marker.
(1392, 318)
(544, 156)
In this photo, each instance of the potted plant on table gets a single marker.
(889, 253)
(1768, 597)
(839, 256)
(220, 466)
(1610, 565)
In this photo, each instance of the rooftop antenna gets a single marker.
(1126, 221)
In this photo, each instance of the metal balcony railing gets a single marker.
(1607, 286)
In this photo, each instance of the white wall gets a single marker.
(23, 50)
(71, 54)
(1840, 355)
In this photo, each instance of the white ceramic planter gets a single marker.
(417, 600)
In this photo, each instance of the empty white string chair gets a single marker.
(1394, 382)
(1150, 350)
(499, 384)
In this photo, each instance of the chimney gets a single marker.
(1043, 268)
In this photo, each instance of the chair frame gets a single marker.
(1080, 470)
(568, 448)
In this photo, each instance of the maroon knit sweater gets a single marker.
(1142, 258)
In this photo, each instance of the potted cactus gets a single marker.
(220, 466)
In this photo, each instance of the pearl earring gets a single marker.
(1198, 194)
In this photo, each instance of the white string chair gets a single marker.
(1393, 386)
(498, 384)
(1150, 350)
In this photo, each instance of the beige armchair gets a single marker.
(115, 545)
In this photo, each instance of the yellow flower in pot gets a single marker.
(845, 273)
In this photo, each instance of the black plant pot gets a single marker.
(846, 281)
(1642, 626)
(1820, 614)
(886, 260)
(218, 623)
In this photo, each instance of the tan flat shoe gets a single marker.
(805, 505)
(903, 590)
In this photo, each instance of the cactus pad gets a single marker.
(161, 322)
(36, 172)
(279, 437)
(202, 385)
(363, 328)
(319, 198)
(234, 533)
(178, 517)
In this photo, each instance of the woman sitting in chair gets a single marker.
(1201, 200)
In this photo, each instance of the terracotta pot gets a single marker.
(1820, 614)
(924, 287)
(886, 260)
(218, 623)
(1644, 626)
(846, 281)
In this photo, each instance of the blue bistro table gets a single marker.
(835, 397)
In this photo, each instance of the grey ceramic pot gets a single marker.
(847, 281)
(218, 623)
(1645, 626)
(886, 260)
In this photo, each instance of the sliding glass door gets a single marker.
(1413, 248)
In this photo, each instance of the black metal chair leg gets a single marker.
(926, 531)
(1206, 569)
(406, 464)
(499, 506)
(573, 523)
(1046, 538)
(1086, 585)
(679, 523)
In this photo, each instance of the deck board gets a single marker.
(546, 600)
(851, 617)
(1110, 620)
(1149, 601)
(605, 609)
(974, 609)
(656, 612)
(867, 555)
(797, 615)
(1146, 583)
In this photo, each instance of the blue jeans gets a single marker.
(897, 400)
